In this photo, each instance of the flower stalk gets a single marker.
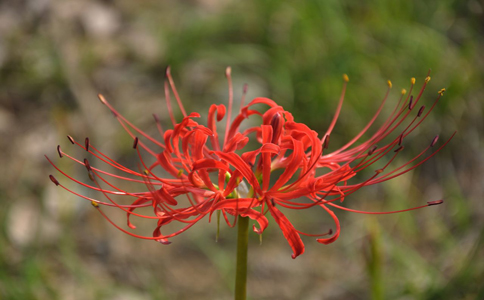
(242, 253)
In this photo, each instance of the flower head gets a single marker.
(207, 170)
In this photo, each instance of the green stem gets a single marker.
(375, 262)
(241, 269)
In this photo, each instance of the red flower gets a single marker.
(211, 173)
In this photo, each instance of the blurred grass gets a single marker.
(56, 55)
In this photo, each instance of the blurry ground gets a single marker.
(56, 55)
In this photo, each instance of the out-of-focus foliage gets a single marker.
(56, 55)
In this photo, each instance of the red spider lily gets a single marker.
(213, 173)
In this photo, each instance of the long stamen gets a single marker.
(168, 104)
(244, 94)
(228, 72)
(123, 121)
(158, 124)
(340, 104)
(173, 89)
(430, 203)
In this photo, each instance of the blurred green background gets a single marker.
(56, 55)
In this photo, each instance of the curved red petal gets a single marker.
(289, 232)
(338, 227)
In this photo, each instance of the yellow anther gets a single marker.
(180, 172)
(427, 79)
(346, 78)
(101, 98)
(389, 84)
(93, 203)
(227, 176)
(404, 91)
(441, 92)
(146, 172)
(412, 80)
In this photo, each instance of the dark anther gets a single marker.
(410, 102)
(436, 138)
(59, 151)
(135, 143)
(272, 202)
(379, 171)
(86, 144)
(420, 111)
(86, 163)
(52, 178)
(70, 139)
(157, 120)
(436, 202)
(330, 232)
(89, 170)
(372, 150)
(398, 149)
(400, 139)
